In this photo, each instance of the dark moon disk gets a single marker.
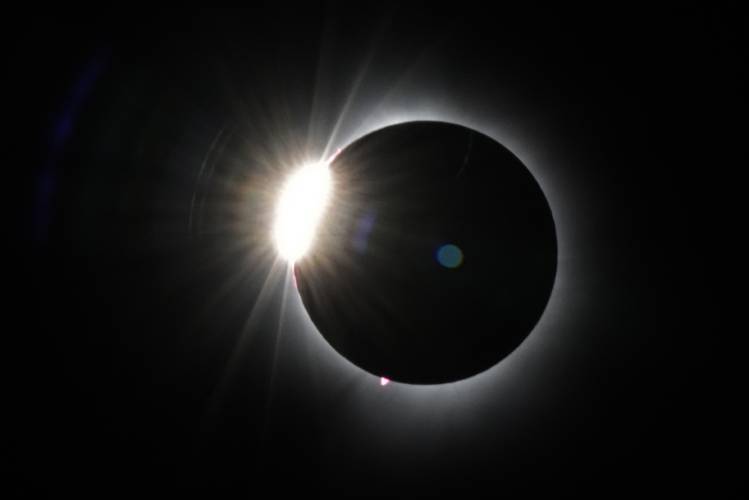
(436, 255)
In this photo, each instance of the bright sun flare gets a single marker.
(300, 207)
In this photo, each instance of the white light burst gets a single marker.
(300, 208)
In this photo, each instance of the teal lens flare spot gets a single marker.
(450, 256)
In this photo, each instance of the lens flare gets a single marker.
(300, 208)
(450, 256)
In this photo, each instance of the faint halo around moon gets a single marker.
(436, 256)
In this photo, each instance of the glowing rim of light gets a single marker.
(538, 169)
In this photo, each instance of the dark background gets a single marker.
(125, 314)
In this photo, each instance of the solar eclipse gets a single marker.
(434, 257)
